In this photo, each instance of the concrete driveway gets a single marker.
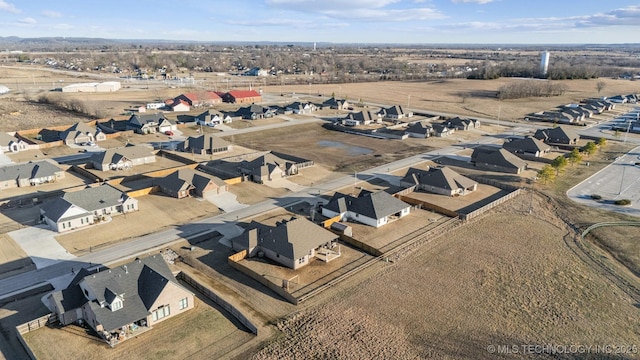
(284, 183)
(226, 201)
(620, 180)
(41, 246)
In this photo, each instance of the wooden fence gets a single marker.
(259, 278)
(86, 173)
(218, 300)
(491, 205)
(359, 244)
(30, 326)
(233, 181)
(327, 223)
(428, 206)
(143, 192)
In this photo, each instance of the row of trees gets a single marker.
(531, 88)
(548, 173)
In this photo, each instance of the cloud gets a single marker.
(51, 14)
(360, 10)
(481, 2)
(290, 23)
(8, 7)
(28, 21)
(623, 16)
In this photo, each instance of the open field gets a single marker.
(154, 215)
(206, 332)
(507, 279)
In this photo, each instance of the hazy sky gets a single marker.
(338, 21)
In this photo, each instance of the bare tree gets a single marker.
(600, 85)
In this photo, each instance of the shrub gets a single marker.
(596, 197)
(623, 202)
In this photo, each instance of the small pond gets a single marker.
(350, 149)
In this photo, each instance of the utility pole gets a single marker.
(622, 178)
(627, 133)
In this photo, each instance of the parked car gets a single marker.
(168, 132)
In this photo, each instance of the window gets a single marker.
(184, 303)
(160, 313)
(116, 305)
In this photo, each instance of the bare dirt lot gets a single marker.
(206, 332)
(153, 216)
(476, 287)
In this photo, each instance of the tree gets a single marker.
(547, 174)
(602, 142)
(590, 148)
(575, 156)
(559, 164)
(600, 85)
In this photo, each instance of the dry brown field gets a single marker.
(474, 287)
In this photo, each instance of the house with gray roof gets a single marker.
(255, 112)
(337, 104)
(149, 123)
(420, 130)
(440, 180)
(528, 147)
(561, 135)
(497, 159)
(268, 167)
(395, 112)
(188, 182)
(81, 132)
(31, 173)
(122, 158)
(292, 243)
(204, 144)
(370, 208)
(298, 107)
(85, 207)
(10, 143)
(440, 130)
(362, 118)
(121, 302)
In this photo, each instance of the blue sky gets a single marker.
(338, 21)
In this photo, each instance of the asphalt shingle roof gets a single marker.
(372, 205)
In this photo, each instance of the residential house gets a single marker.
(575, 115)
(292, 243)
(188, 182)
(362, 118)
(9, 143)
(594, 108)
(267, 167)
(420, 130)
(122, 158)
(84, 207)
(242, 97)
(558, 135)
(31, 173)
(204, 144)
(529, 146)
(212, 118)
(496, 159)
(120, 302)
(301, 108)
(586, 113)
(255, 112)
(632, 98)
(618, 99)
(440, 180)
(80, 133)
(440, 130)
(179, 106)
(370, 208)
(334, 103)
(394, 113)
(149, 123)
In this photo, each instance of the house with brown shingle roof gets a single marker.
(292, 243)
(440, 180)
(122, 158)
(491, 158)
(204, 144)
(242, 97)
(188, 182)
(529, 147)
(370, 208)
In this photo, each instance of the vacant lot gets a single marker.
(202, 333)
(157, 212)
(472, 288)
(341, 152)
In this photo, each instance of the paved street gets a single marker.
(620, 180)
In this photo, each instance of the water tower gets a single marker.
(544, 63)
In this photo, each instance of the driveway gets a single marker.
(41, 246)
(620, 180)
(284, 183)
(226, 201)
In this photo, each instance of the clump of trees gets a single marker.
(73, 104)
(531, 88)
(550, 172)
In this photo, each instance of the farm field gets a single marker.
(506, 279)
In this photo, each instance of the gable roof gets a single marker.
(205, 141)
(96, 198)
(293, 238)
(29, 170)
(6, 139)
(60, 209)
(560, 132)
(419, 128)
(113, 156)
(375, 205)
(362, 116)
(185, 178)
(240, 94)
(393, 110)
(139, 283)
(528, 144)
(498, 157)
(139, 120)
(441, 177)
